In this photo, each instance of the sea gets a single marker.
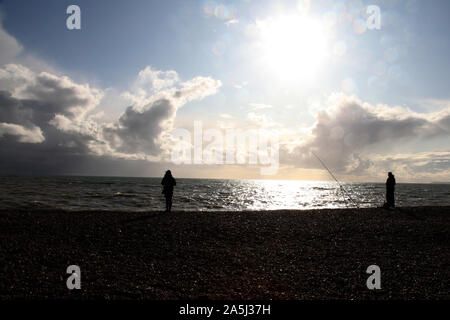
(76, 193)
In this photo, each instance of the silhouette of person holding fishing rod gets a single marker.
(390, 189)
(168, 183)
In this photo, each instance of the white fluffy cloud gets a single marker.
(150, 79)
(143, 130)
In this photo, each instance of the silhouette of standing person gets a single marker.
(168, 183)
(390, 188)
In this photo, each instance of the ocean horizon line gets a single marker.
(211, 178)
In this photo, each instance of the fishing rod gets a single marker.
(331, 173)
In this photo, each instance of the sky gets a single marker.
(127, 94)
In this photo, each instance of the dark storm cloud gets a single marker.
(139, 131)
(29, 101)
(14, 110)
(59, 95)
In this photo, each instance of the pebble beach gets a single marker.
(270, 255)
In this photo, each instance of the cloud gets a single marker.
(141, 131)
(346, 133)
(44, 121)
(9, 46)
(47, 110)
(61, 95)
(144, 129)
(261, 120)
(44, 95)
(25, 135)
(149, 79)
(419, 166)
(442, 120)
(12, 51)
(51, 124)
(55, 107)
(86, 127)
(54, 111)
(15, 77)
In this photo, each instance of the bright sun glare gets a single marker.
(293, 46)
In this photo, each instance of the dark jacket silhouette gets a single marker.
(390, 189)
(168, 183)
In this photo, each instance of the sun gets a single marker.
(294, 47)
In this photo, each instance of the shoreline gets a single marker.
(224, 255)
